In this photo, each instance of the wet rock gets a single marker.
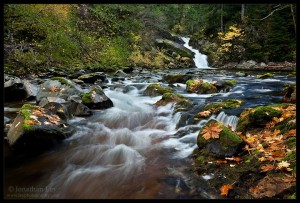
(228, 143)
(128, 70)
(247, 65)
(92, 77)
(264, 76)
(78, 109)
(257, 117)
(116, 79)
(14, 89)
(60, 88)
(78, 81)
(120, 73)
(200, 87)
(241, 74)
(174, 47)
(95, 98)
(182, 103)
(177, 78)
(156, 90)
(224, 85)
(290, 94)
(37, 128)
(31, 90)
(58, 109)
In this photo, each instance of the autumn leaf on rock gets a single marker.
(211, 131)
(236, 159)
(292, 132)
(266, 168)
(284, 165)
(224, 189)
(204, 113)
(54, 89)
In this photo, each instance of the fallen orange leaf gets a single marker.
(266, 168)
(224, 189)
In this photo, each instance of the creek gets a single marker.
(136, 150)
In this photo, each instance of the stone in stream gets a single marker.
(92, 77)
(14, 89)
(36, 128)
(200, 87)
(177, 78)
(156, 90)
(31, 90)
(95, 98)
(228, 143)
(290, 94)
(57, 87)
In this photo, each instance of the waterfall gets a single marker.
(222, 117)
(199, 59)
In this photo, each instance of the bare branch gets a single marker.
(277, 9)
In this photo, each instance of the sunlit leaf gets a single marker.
(224, 189)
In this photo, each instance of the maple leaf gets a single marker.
(37, 113)
(204, 113)
(236, 159)
(224, 189)
(284, 165)
(292, 132)
(51, 107)
(54, 89)
(266, 168)
(60, 110)
(211, 131)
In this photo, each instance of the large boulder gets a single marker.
(36, 128)
(257, 117)
(58, 87)
(181, 103)
(174, 47)
(31, 90)
(227, 143)
(95, 98)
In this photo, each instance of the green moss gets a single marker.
(291, 142)
(62, 81)
(176, 78)
(87, 98)
(293, 196)
(231, 82)
(264, 76)
(263, 114)
(157, 89)
(200, 87)
(286, 125)
(228, 104)
(26, 111)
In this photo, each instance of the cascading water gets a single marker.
(199, 59)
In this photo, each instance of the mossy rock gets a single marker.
(264, 76)
(227, 104)
(176, 78)
(231, 82)
(87, 98)
(257, 117)
(63, 80)
(156, 90)
(200, 87)
(228, 143)
(96, 98)
(182, 103)
(174, 47)
(92, 77)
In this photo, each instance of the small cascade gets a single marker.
(199, 59)
(227, 120)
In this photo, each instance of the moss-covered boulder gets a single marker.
(95, 98)
(200, 87)
(216, 107)
(264, 76)
(156, 90)
(177, 78)
(182, 103)
(228, 142)
(257, 117)
(174, 47)
(37, 128)
(92, 77)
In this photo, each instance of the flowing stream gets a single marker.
(135, 149)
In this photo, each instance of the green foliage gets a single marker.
(87, 98)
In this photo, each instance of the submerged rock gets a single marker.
(264, 76)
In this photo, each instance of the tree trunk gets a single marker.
(222, 6)
(243, 12)
(294, 19)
